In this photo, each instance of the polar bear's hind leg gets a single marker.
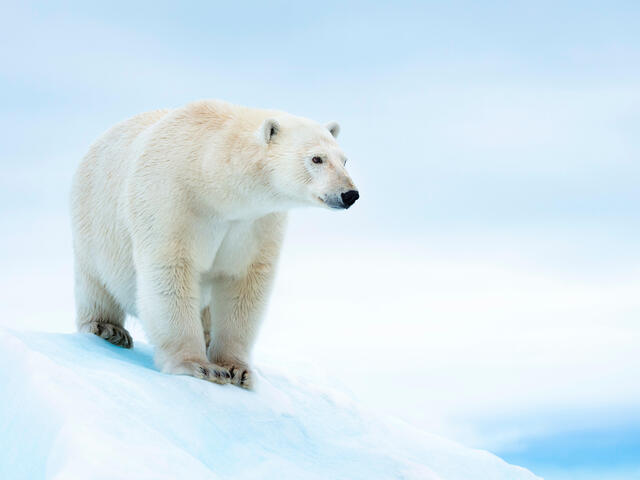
(98, 312)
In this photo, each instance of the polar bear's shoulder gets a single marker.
(205, 113)
(216, 113)
(202, 112)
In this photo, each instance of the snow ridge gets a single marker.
(76, 407)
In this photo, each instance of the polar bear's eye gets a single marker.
(316, 160)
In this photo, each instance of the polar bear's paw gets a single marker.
(204, 370)
(241, 374)
(111, 332)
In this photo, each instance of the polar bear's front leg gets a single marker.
(236, 310)
(169, 310)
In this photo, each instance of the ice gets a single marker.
(75, 407)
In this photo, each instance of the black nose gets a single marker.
(349, 198)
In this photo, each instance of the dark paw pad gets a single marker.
(240, 376)
(114, 334)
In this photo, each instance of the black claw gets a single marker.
(232, 372)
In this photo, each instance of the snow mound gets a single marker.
(76, 407)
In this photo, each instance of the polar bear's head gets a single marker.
(305, 163)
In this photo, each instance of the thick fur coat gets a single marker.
(178, 218)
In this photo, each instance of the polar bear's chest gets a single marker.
(228, 249)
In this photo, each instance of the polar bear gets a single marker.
(178, 218)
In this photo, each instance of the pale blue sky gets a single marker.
(491, 132)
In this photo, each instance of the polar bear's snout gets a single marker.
(339, 191)
(343, 200)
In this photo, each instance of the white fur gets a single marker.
(178, 218)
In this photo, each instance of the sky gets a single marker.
(484, 287)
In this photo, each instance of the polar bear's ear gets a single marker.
(334, 128)
(270, 128)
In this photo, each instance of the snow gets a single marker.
(76, 407)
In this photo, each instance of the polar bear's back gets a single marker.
(99, 180)
(104, 165)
